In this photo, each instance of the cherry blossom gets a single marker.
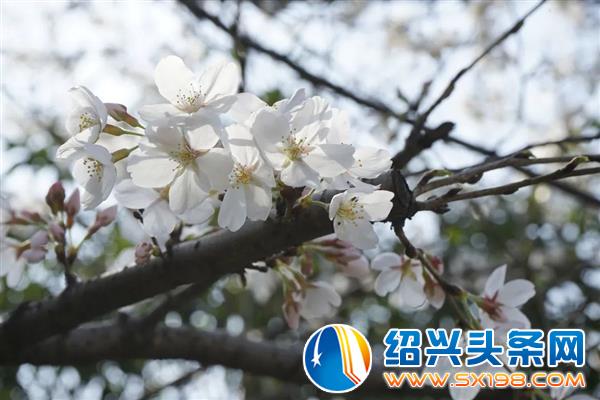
(369, 163)
(500, 301)
(297, 150)
(401, 274)
(436, 295)
(320, 299)
(248, 194)
(352, 212)
(12, 265)
(184, 157)
(158, 218)
(92, 169)
(211, 92)
(88, 115)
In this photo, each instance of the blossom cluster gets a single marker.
(209, 149)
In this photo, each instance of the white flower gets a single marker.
(92, 169)
(352, 212)
(369, 163)
(402, 274)
(297, 149)
(183, 157)
(212, 91)
(500, 301)
(88, 116)
(11, 264)
(158, 219)
(320, 299)
(250, 181)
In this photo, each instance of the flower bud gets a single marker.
(37, 247)
(57, 232)
(103, 218)
(73, 204)
(142, 253)
(56, 197)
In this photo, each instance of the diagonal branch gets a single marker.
(203, 261)
(194, 7)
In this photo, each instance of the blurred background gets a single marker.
(539, 85)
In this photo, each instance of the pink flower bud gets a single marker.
(31, 216)
(73, 204)
(291, 312)
(106, 216)
(37, 247)
(39, 239)
(57, 232)
(103, 218)
(142, 253)
(56, 197)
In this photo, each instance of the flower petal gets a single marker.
(258, 202)
(384, 261)
(151, 169)
(330, 159)
(222, 79)
(358, 232)
(244, 106)
(172, 76)
(377, 204)
(299, 174)
(516, 293)
(159, 220)
(495, 282)
(158, 112)
(186, 192)
(202, 130)
(215, 165)
(387, 281)
(412, 292)
(232, 214)
(131, 196)
(370, 162)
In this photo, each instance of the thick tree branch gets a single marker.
(121, 341)
(203, 261)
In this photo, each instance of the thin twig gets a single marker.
(510, 188)
(415, 138)
(472, 174)
(587, 198)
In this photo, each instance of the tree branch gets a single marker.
(203, 261)
(587, 198)
(440, 202)
(473, 174)
(119, 342)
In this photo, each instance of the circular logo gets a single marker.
(337, 358)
